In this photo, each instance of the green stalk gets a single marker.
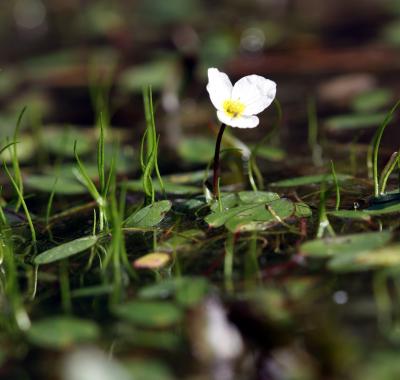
(337, 188)
(387, 171)
(23, 203)
(376, 141)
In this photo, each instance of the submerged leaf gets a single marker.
(310, 180)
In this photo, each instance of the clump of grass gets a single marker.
(99, 195)
(149, 149)
(380, 181)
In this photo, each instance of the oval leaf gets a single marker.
(66, 250)
(154, 260)
(62, 332)
(149, 216)
(149, 314)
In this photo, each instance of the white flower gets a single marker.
(237, 105)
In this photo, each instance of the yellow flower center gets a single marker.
(233, 108)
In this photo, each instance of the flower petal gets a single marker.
(238, 122)
(256, 92)
(219, 87)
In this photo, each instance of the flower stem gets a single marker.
(216, 160)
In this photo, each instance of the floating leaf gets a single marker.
(154, 260)
(251, 197)
(62, 332)
(259, 218)
(350, 214)
(169, 187)
(149, 314)
(344, 245)
(155, 74)
(92, 291)
(197, 150)
(45, 183)
(388, 256)
(354, 121)
(60, 141)
(373, 100)
(302, 210)
(65, 250)
(188, 291)
(270, 153)
(310, 180)
(149, 216)
(383, 208)
(149, 369)
(191, 290)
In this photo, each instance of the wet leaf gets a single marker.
(251, 197)
(62, 332)
(197, 150)
(302, 210)
(382, 209)
(169, 187)
(60, 141)
(149, 314)
(92, 291)
(350, 214)
(149, 369)
(154, 260)
(184, 239)
(388, 256)
(270, 153)
(373, 100)
(354, 121)
(191, 290)
(66, 250)
(155, 74)
(188, 291)
(345, 245)
(149, 216)
(260, 217)
(310, 180)
(45, 183)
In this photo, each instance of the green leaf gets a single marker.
(65, 250)
(92, 291)
(310, 180)
(45, 183)
(60, 141)
(188, 291)
(261, 217)
(149, 314)
(149, 216)
(383, 209)
(251, 197)
(372, 100)
(154, 74)
(169, 187)
(354, 121)
(302, 210)
(62, 332)
(344, 245)
(149, 369)
(350, 214)
(270, 153)
(383, 257)
(197, 150)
